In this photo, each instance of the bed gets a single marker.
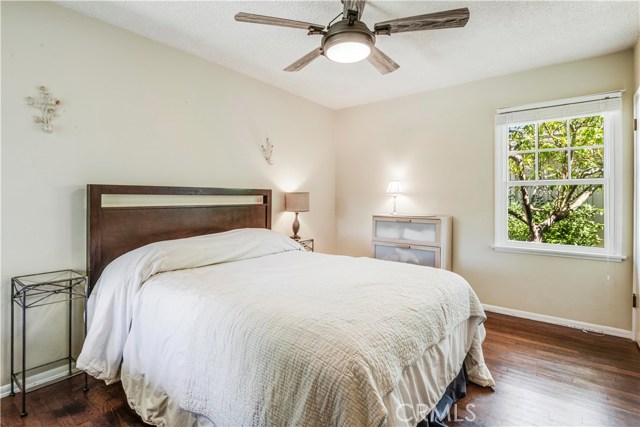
(209, 318)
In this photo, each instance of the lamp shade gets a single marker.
(394, 188)
(296, 202)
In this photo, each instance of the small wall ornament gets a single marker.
(267, 151)
(48, 107)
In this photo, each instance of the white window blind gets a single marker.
(581, 106)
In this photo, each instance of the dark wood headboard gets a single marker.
(116, 228)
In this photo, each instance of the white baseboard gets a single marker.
(607, 330)
(37, 379)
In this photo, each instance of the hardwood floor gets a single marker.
(547, 376)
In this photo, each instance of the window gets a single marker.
(557, 187)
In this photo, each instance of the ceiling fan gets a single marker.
(350, 40)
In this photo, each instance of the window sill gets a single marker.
(560, 253)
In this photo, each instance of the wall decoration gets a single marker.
(267, 151)
(48, 107)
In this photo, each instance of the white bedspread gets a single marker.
(279, 336)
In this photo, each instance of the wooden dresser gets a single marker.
(414, 239)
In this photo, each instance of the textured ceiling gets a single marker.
(501, 38)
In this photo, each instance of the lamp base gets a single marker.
(394, 206)
(296, 228)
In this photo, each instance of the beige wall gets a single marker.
(440, 144)
(134, 112)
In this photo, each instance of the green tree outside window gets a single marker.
(569, 150)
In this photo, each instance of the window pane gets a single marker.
(557, 214)
(522, 167)
(553, 165)
(522, 137)
(552, 134)
(587, 131)
(587, 163)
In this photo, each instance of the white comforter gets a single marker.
(277, 337)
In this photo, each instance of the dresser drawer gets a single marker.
(419, 255)
(421, 231)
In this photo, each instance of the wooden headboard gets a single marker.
(121, 218)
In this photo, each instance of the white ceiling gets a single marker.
(501, 37)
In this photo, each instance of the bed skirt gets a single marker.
(436, 380)
(456, 390)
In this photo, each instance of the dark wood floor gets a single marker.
(547, 376)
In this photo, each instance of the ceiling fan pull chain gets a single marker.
(334, 20)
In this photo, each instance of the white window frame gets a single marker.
(609, 105)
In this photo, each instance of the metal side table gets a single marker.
(37, 290)
(307, 244)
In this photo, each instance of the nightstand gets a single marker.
(307, 244)
(37, 290)
(414, 239)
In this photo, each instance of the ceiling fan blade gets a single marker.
(305, 60)
(280, 22)
(432, 21)
(382, 62)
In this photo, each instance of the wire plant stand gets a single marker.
(37, 290)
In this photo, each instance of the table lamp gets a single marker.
(394, 189)
(296, 202)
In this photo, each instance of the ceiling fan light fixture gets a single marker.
(346, 43)
(348, 48)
